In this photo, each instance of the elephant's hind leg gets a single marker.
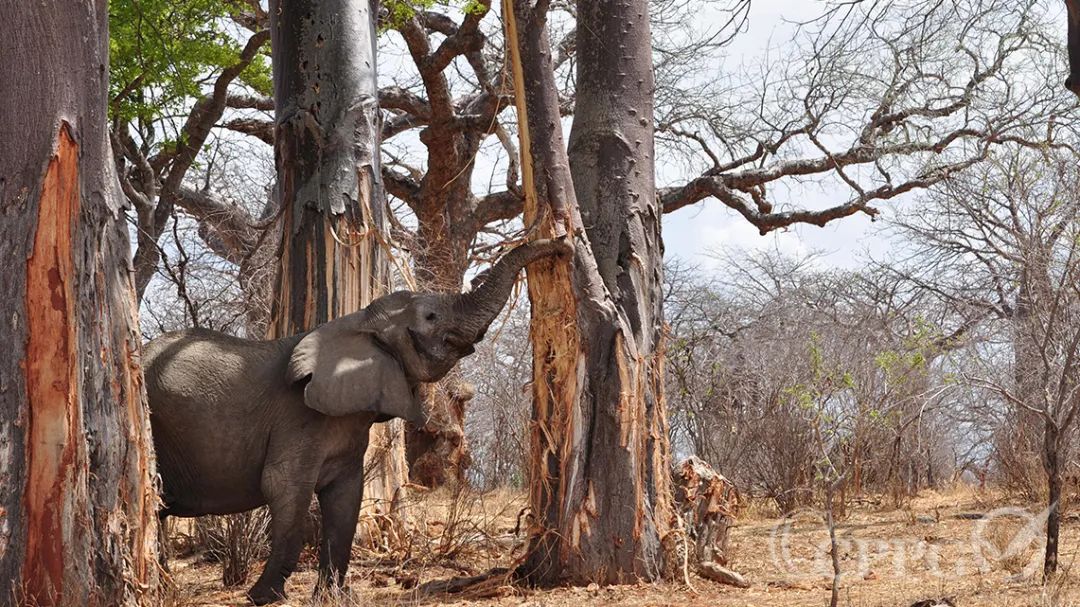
(288, 504)
(339, 503)
(163, 540)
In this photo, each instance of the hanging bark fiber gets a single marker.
(326, 146)
(708, 503)
(600, 487)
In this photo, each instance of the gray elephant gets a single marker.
(240, 423)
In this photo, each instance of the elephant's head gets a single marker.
(373, 359)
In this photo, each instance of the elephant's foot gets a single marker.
(329, 590)
(264, 594)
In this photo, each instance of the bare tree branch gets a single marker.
(260, 129)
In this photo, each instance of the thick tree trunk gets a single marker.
(437, 452)
(448, 214)
(78, 522)
(600, 478)
(1073, 81)
(333, 258)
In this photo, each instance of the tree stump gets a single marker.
(708, 504)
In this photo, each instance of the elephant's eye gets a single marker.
(430, 317)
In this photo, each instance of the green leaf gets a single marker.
(161, 52)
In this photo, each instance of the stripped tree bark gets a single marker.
(332, 259)
(600, 479)
(78, 522)
(708, 504)
(892, 129)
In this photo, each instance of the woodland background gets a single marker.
(946, 352)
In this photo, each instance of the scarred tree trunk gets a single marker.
(600, 472)
(78, 522)
(437, 452)
(333, 258)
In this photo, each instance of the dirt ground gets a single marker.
(933, 547)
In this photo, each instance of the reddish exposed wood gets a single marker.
(54, 430)
(599, 477)
(78, 518)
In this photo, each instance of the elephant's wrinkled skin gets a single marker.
(240, 423)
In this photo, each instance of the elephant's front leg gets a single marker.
(288, 502)
(339, 503)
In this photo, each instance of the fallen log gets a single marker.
(721, 574)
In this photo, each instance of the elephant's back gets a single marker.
(210, 368)
(213, 399)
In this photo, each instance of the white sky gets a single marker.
(692, 234)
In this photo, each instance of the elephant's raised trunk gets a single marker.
(478, 308)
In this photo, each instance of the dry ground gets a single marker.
(893, 557)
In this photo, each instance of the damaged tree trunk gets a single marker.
(437, 452)
(708, 503)
(78, 513)
(333, 258)
(600, 478)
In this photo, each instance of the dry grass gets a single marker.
(890, 557)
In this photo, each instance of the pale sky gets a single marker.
(691, 233)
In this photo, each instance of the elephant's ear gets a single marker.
(350, 373)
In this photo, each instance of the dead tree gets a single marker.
(78, 512)
(708, 503)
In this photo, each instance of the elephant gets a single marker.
(240, 423)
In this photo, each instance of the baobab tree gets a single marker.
(158, 173)
(599, 480)
(911, 110)
(78, 514)
(334, 252)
